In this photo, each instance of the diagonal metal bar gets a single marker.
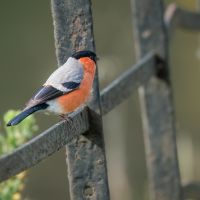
(62, 133)
(179, 17)
(128, 82)
(43, 145)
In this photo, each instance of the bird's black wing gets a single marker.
(47, 93)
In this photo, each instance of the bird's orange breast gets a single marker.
(78, 97)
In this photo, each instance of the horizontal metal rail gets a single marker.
(178, 17)
(60, 134)
(191, 190)
(43, 145)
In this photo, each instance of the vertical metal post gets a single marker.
(156, 103)
(86, 160)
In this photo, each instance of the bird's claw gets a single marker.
(66, 118)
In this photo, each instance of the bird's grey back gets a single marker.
(71, 71)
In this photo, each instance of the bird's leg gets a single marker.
(66, 117)
(62, 116)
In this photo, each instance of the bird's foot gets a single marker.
(66, 118)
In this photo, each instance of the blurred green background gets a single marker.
(27, 57)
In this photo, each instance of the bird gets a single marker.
(67, 88)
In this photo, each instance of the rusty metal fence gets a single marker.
(83, 137)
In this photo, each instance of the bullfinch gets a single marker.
(66, 89)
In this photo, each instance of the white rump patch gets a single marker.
(54, 107)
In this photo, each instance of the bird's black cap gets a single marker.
(85, 53)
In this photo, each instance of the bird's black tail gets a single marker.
(25, 113)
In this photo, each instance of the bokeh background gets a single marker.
(27, 57)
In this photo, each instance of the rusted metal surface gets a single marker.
(156, 104)
(73, 29)
(86, 159)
